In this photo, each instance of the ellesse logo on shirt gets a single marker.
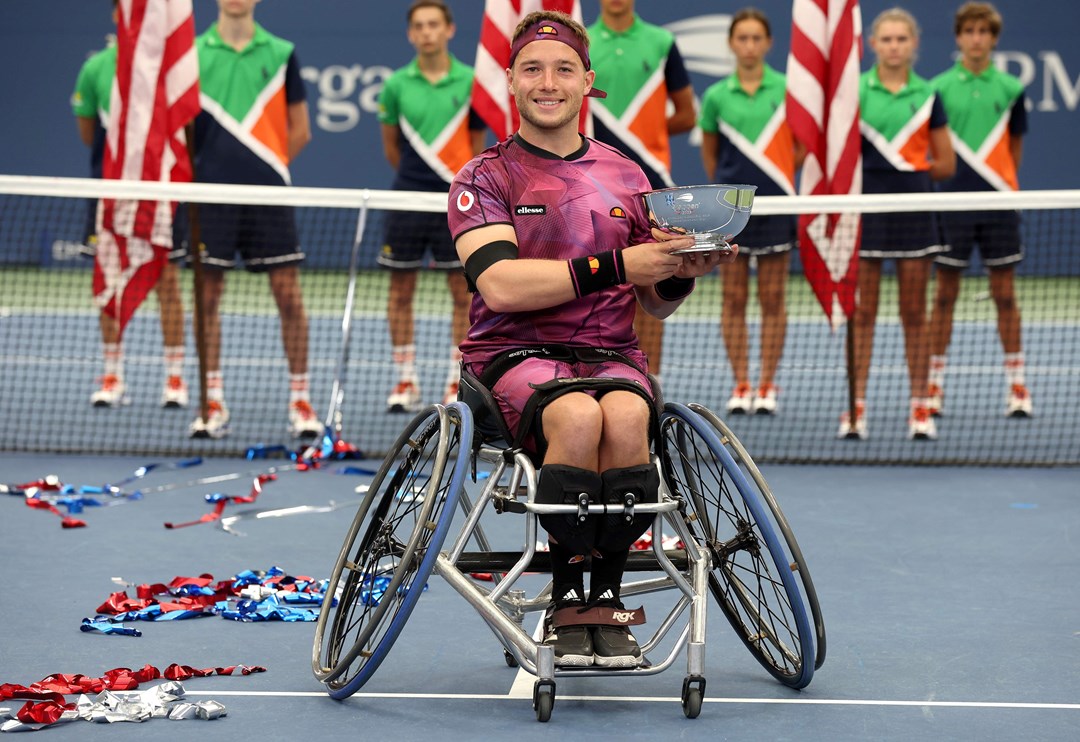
(530, 210)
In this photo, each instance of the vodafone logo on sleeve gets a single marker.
(465, 201)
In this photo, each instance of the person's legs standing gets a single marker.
(735, 278)
(459, 326)
(288, 294)
(862, 326)
(171, 311)
(913, 274)
(399, 313)
(772, 270)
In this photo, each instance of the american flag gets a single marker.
(823, 111)
(155, 93)
(491, 98)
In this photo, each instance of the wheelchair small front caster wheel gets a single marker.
(509, 659)
(693, 691)
(543, 699)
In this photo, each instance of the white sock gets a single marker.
(215, 386)
(174, 360)
(937, 371)
(404, 357)
(298, 388)
(1014, 368)
(114, 360)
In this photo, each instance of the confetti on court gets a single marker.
(45, 703)
(250, 596)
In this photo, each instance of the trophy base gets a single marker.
(706, 243)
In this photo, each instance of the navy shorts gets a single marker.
(906, 234)
(264, 237)
(767, 235)
(411, 235)
(997, 233)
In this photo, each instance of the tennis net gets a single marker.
(51, 344)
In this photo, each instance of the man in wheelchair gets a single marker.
(558, 251)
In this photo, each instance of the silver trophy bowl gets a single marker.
(713, 214)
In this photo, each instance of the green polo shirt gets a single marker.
(431, 117)
(93, 88)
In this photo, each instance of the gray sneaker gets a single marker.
(615, 646)
(573, 644)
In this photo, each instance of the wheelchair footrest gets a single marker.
(504, 561)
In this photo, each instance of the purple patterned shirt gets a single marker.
(560, 209)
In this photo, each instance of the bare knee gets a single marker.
(573, 422)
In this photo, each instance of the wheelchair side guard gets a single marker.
(598, 616)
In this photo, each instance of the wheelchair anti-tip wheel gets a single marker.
(755, 478)
(391, 548)
(750, 577)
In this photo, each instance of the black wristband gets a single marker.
(673, 289)
(597, 272)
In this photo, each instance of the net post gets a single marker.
(195, 249)
(337, 392)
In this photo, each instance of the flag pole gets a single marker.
(195, 250)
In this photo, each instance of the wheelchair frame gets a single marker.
(712, 496)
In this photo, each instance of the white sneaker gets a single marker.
(404, 398)
(921, 426)
(765, 400)
(451, 394)
(741, 399)
(303, 422)
(858, 431)
(1019, 402)
(111, 393)
(175, 393)
(217, 426)
(935, 400)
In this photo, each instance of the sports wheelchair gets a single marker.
(733, 543)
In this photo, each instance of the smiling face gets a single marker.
(894, 42)
(549, 82)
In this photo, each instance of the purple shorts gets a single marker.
(512, 391)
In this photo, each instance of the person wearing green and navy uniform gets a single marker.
(639, 66)
(746, 139)
(90, 104)
(429, 132)
(987, 111)
(905, 146)
(254, 122)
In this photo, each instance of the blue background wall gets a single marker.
(347, 47)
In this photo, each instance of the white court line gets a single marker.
(522, 686)
(663, 699)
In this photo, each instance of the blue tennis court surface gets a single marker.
(948, 594)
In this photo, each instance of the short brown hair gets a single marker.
(970, 12)
(551, 15)
(440, 4)
(749, 14)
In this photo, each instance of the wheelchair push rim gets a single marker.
(383, 566)
(750, 577)
(742, 457)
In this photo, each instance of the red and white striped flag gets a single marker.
(155, 93)
(491, 98)
(823, 112)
